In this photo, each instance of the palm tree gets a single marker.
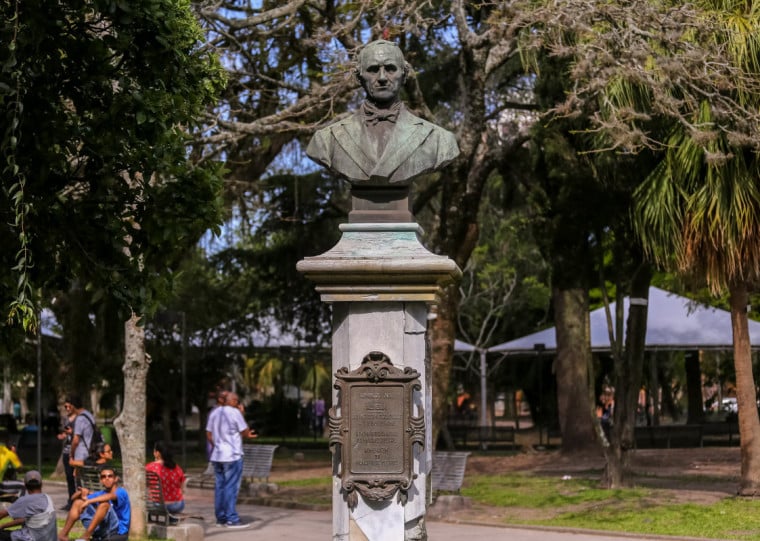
(699, 213)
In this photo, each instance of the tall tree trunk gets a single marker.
(442, 333)
(130, 424)
(7, 397)
(573, 358)
(654, 390)
(629, 368)
(668, 403)
(73, 311)
(696, 413)
(746, 396)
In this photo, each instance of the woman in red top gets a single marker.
(172, 477)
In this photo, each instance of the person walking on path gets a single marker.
(84, 428)
(225, 430)
(66, 434)
(319, 417)
(34, 512)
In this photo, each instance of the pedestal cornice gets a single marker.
(379, 262)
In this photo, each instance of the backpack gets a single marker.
(95, 442)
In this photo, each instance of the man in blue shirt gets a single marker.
(104, 514)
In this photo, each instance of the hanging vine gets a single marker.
(22, 309)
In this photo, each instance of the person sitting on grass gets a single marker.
(105, 514)
(34, 512)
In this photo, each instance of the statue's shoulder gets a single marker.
(323, 142)
(347, 121)
(411, 117)
(442, 139)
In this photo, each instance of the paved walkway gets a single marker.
(273, 523)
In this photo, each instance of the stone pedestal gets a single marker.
(380, 281)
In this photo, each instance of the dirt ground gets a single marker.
(700, 475)
(712, 469)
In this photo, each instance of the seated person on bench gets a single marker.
(171, 475)
(105, 514)
(10, 464)
(103, 451)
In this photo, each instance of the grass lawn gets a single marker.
(578, 503)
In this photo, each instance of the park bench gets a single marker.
(667, 436)
(257, 464)
(10, 489)
(155, 506)
(257, 461)
(447, 472)
(483, 436)
(207, 475)
(717, 433)
(89, 477)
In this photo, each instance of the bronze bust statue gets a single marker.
(382, 147)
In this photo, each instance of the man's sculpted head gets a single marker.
(382, 71)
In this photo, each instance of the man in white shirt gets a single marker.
(225, 430)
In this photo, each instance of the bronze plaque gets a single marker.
(376, 429)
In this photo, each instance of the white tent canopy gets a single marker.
(673, 323)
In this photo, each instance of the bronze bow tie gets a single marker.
(373, 115)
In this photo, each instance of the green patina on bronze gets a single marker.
(382, 147)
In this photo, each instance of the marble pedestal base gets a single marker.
(381, 280)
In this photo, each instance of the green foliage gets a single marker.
(504, 289)
(643, 75)
(98, 97)
(297, 217)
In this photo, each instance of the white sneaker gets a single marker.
(237, 525)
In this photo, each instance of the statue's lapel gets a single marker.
(409, 134)
(349, 134)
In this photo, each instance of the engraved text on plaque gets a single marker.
(376, 429)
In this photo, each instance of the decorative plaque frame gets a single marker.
(376, 430)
